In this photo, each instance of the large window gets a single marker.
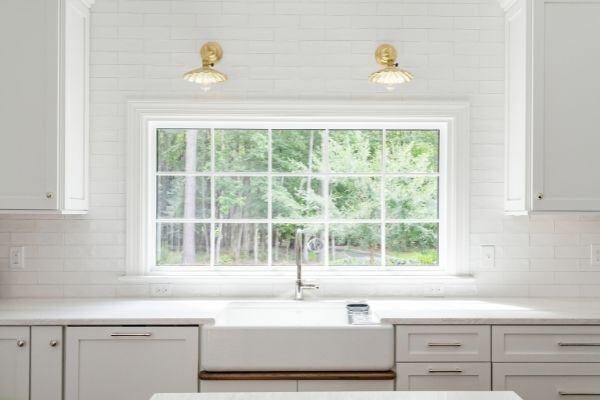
(231, 196)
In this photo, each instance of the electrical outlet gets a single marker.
(161, 290)
(433, 291)
(17, 257)
(595, 255)
(488, 256)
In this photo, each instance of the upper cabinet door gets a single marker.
(29, 78)
(14, 363)
(76, 104)
(566, 105)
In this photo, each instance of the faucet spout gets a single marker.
(300, 285)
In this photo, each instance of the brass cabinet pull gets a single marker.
(131, 334)
(444, 344)
(584, 344)
(445, 371)
(561, 393)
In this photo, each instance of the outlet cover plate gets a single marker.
(161, 290)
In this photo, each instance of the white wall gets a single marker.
(296, 48)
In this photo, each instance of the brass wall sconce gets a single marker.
(206, 76)
(390, 75)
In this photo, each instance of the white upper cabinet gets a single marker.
(44, 105)
(552, 86)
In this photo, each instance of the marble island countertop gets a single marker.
(394, 311)
(342, 396)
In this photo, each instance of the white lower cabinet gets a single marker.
(14, 363)
(549, 381)
(248, 386)
(46, 363)
(345, 385)
(130, 363)
(443, 376)
(341, 385)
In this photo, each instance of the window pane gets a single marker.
(241, 197)
(412, 198)
(296, 150)
(412, 151)
(182, 244)
(355, 244)
(241, 244)
(412, 244)
(354, 198)
(183, 197)
(183, 150)
(355, 150)
(283, 244)
(241, 150)
(296, 197)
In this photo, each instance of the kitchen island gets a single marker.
(442, 395)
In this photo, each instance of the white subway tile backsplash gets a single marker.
(140, 49)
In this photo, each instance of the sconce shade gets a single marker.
(391, 75)
(211, 53)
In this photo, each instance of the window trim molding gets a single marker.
(141, 113)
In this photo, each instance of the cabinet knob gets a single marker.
(540, 196)
(53, 343)
(49, 195)
(20, 343)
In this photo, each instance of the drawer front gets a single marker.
(345, 386)
(442, 343)
(248, 386)
(443, 376)
(549, 381)
(546, 343)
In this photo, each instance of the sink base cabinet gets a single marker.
(14, 363)
(549, 381)
(130, 363)
(334, 385)
(443, 376)
(249, 386)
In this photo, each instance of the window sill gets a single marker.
(251, 279)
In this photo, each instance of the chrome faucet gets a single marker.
(300, 286)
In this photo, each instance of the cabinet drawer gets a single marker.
(130, 363)
(443, 376)
(442, 343)
(549, 381)
(546, 343)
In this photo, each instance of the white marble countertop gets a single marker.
(393, 311)
(342, 396)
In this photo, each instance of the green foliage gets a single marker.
(301, 196)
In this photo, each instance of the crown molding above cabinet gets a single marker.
(552, 101)
(45, 106)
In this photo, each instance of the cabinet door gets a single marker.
(345, 386)
(46, 362)
(14, 363)
(29, 104)
(549, 381)
(248, 386)
(443, 376)
(130, 363)
(76, 105)
(566, 83)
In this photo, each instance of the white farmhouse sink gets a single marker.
(294, 336)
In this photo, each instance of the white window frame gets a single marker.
(450, 118)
